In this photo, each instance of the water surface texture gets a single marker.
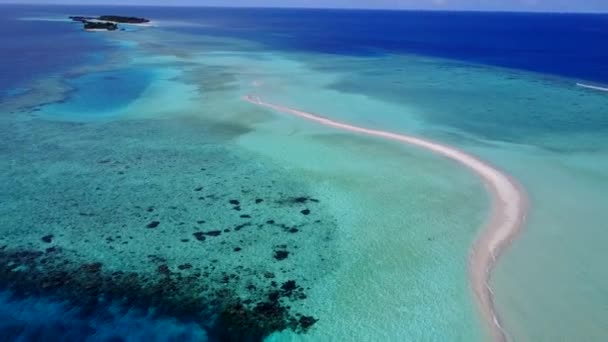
(143, 199)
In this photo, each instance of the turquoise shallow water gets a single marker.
(274, 199)
(151, 183)
(550, 135)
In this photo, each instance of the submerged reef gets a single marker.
(176, 294)
(163, 216)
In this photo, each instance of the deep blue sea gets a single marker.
(570, 45)
(566, 46)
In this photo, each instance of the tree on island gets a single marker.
(90, 25)
(124, 20)
(107, 22)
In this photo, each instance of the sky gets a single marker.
(483, 5)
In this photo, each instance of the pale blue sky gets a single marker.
(486, 5)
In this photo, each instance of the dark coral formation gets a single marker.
(47, 238)
(301, 200)
(307, 321)
(241, 226)
(195, 256)
(153, 224)
(200, 236)
(281, 254)
(179, 295)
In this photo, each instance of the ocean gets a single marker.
(143, 199)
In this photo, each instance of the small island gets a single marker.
(123, 20)
(107, 22)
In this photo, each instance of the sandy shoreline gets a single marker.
(594, 87)
(509, 207)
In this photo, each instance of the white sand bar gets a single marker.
(589, 86)
(509, 207)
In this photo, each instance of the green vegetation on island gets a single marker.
(123, 20)
(91, 25)
(107, 22)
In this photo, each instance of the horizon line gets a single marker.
(314, 8)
